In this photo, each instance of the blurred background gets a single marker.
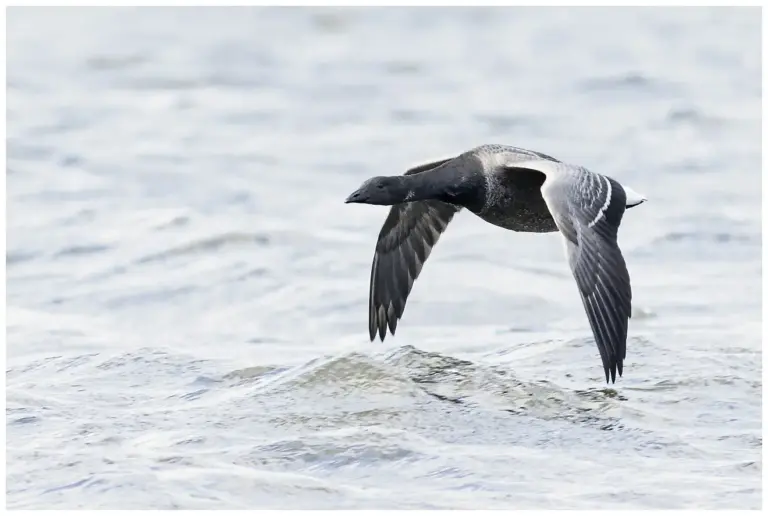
(187, 291)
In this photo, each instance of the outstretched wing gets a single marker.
(588, 209)
(406, 239)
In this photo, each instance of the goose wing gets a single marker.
(588, 209)
(405, 241)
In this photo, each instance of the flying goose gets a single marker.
(519, 190)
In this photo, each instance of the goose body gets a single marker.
(518, 190)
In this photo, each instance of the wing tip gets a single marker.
(382, 330)
(375, 330)
(612, 369)
(380, 320)
(372, 322)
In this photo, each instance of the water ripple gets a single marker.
(187, 291)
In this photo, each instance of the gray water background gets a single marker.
(187, 292)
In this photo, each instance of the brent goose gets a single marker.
(519, 190)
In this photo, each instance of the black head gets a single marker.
(381, 190)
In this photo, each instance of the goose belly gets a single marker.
(523, 213)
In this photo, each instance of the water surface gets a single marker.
(187, 291)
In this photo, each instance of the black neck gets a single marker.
(455, 182)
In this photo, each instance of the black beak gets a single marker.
(355, 197)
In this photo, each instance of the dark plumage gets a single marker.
(516, 189)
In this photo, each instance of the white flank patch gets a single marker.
(633, 198)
